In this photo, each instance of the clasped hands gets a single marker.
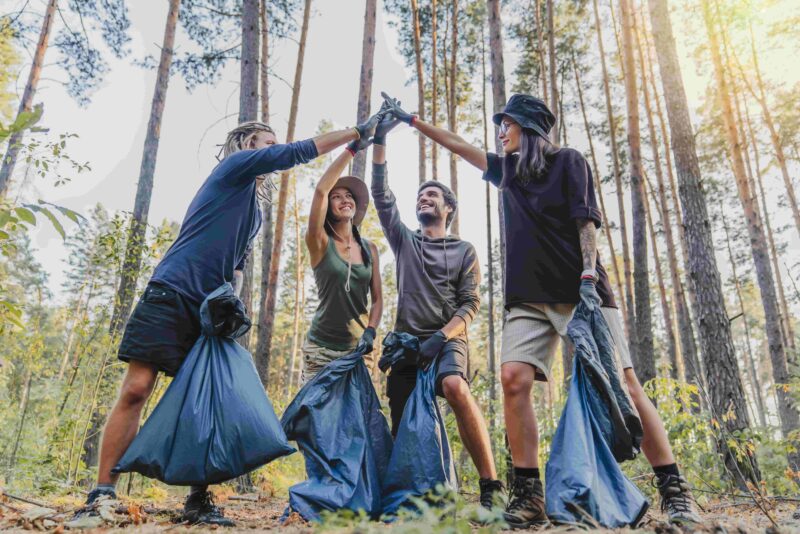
(375, 128)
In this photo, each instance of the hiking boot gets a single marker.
(526, 503)
(199, 509)
(89, 509)
(493, 493)
(676, 499)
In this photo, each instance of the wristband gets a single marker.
(589, 274)
(357, 133)
(352, 152)
(414, 119)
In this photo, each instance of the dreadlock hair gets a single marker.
(239, 139)
(533, 160)
(365, 254)
(449, 198)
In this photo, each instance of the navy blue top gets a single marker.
(543, 253)
(223, 219)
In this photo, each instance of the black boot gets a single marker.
(676, 499)
(493, 493)
(199, 509)
(526, 503)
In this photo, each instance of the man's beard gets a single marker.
(429, 218)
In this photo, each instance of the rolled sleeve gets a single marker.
(468, 294)
(245, 165)
(580, 190)
(494, 169)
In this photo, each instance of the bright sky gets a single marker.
(112, 129)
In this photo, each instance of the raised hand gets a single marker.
(393, 105)
(384, 127)
(366, 130)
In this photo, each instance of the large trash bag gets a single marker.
(214, 422)
(421, 459)
(337, 423)
(599, 427)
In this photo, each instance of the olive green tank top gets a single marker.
(341, 315)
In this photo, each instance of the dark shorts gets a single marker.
(403, 378)
(161, 330)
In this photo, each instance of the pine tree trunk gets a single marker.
(498, 100)
(453, 109)
(790, 419)
(420, 85)
(599, 185)
(365, 83)
(264, 63)
(754, 380)
(434, 92)
(266, 205)
(144, 189)
(551, 56)
(298, 273)
(26, 103)
(724, 387)
(266, 320)
(540, 50)
(623, 226)
(644, 358)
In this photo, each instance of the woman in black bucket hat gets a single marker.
(551, 216)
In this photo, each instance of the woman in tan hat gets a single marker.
(345, 267)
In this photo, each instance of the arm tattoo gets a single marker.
(587, 238)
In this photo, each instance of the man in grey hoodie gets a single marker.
(437, 284)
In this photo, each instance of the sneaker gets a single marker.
(526, 503)
(199, 509)
(89, 509)
(493, 493)
(676, 499)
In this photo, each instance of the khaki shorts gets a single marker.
(532, 332)
(315, 357)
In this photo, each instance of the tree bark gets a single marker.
(144, 189)
(452, 113)
(26, 103)
(264, 63)
(540, 50)
(644, 358)
(551, 56)
(790, 419)
(266, 322)
(498, 99)
(420, 85)
(598, 183)
(365, 83)
(298, 273)
(623, 226)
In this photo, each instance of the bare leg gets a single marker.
(523, 432)
(655, 442)
(123, 421)
(471, 425)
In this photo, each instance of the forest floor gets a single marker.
(259, 513)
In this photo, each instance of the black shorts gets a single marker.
(161, 330)
(403, 378)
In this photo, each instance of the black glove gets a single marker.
(393, 106)
(430, 349)
(384, 127)
(588, 293)
(365, 132)
(367, 341)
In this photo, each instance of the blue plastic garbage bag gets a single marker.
(583, 476)
(214, 422)
(337, 423)
(421, 458)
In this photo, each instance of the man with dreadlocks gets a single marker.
(211, 249)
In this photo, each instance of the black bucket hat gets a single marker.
(529, 112)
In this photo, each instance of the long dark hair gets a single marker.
(365, 253)
(533, 161)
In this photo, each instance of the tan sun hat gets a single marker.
(360, 193)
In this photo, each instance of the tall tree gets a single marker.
(266, 320)
(365, 83)
(540, 49)
(144, 188)
(434, 92)
(498, 77)
(644, 356)
(724, 385)
(452, 109)
(790, 419)
(420, 84)
(623, 226)
(26, 104)
(551, 56)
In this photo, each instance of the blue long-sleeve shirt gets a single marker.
(223, 219)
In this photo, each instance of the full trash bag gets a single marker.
(421, 459)
(599, 427)
(337, 423)
(214, 422)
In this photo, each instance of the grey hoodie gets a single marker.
(437, 279)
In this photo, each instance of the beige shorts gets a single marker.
(532, 332)
(315, 357)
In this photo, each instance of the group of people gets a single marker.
(550, 220)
